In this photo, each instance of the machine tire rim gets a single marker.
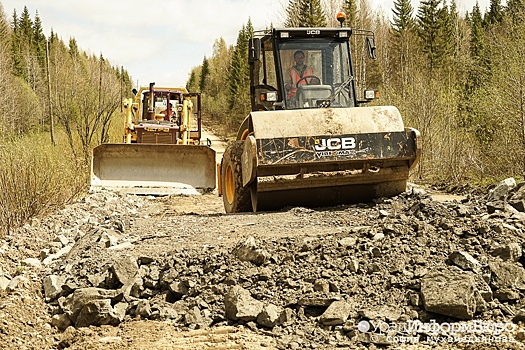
(229, 184)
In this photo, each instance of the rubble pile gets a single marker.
(343, 273)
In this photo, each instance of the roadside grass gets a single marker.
(37, 178)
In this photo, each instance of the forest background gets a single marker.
(457, 78)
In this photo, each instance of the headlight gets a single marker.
(271, 96)
(371, 94)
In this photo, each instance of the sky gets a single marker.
(161, 41)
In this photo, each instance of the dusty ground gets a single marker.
(25, 317)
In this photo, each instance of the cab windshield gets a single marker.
(169, 104)
(316, 73)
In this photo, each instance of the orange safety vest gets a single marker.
(295, 76)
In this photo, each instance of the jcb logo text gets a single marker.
(335, 143)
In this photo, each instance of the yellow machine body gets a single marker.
(162, 152)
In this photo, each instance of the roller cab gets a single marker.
(310, 141)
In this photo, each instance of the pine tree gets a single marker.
(204, 74)
(432, 21)
(305, 13)
(249, 33)
(237, 67)
(191, 81)
(239, 75)
(311, 13)
(26, 26)
(16, 47)
(477, 38)
(73, 48)
(446, 35)
(292, 14)
(402, 18)
(29, 49)
(350, 9)
(495, 14)
(459, 33)
(39, 40)
(403, 27)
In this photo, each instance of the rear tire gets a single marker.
(236, 198)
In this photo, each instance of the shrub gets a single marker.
(35, 179)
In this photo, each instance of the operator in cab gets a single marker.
(298, 74)
(168, 112)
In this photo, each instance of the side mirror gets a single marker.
(371, 47)
(134, 91)
(254, 54)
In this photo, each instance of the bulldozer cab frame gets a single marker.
(164, 115)
(329, 83)
(164, 102)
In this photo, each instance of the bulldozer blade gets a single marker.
(154, 169)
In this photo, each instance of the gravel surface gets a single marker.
(121, 271)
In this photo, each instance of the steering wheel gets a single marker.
(308, 77)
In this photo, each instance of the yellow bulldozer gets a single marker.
(161, 151)
(309, 140)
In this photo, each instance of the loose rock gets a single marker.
(450, 293)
